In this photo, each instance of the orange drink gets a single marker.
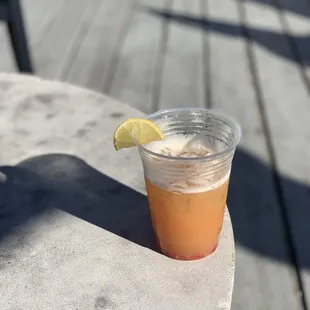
(187, 177)
(187, 225)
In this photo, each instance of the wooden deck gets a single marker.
(249, 58)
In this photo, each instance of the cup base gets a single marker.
(189, 257)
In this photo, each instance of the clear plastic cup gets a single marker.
(187, 177)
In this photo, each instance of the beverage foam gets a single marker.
(182, 146)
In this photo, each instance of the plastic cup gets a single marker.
(187, 195)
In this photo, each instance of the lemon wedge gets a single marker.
(144, 130)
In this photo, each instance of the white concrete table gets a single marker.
(75, 231)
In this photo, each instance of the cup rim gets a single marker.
(212, 156)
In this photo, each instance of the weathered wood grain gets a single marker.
(257, 221)
(91, 65)
(286, 106)
(183, 76)
(52, 52)
(297, 26)
(140, 60)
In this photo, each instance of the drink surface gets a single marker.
(187, 212)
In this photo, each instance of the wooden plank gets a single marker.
(183, 77)
(287, 109)
(51, 53)
(39, 17)
(135, 75)
(79, 37)
(298, 28)
(6, 60)
(91, 65)
(253, 203)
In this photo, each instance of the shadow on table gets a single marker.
(69, 183)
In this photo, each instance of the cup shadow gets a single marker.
(73, 186)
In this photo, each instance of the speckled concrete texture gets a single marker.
(75, 230)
